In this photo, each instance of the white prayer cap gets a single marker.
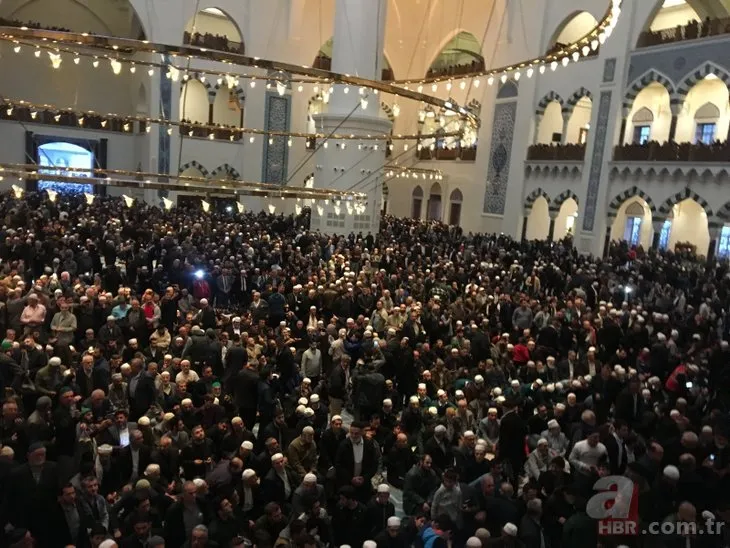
(413, 399)
(515, 383)
(303, 401)
(510, 529)
(236, 420)
(393, 521)
(542, 441)
(433, 411)
(143, 421)
(308, 412)
(335, 418)
(440, 428)
(497, 391)
(441, 392)
(306, 380)
(277, 457)
(539, 382)
(248, 473)
(492, 410)
(469, 434)
(369, 544)
(387, 402)
(310, 478)
(383, 488)
(707, 429)
(674, 413)
(591, 349)
(314, 398)
(247, 445)
(671, 472)
(199, 482)
(478, 379)
(473, 542)
(421, 386)
(187, 401)
(501, 399)
(105, 449)
(459, 394)
(300, 410)
(552, 423)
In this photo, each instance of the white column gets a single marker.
(353, 165)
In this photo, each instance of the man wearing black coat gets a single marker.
(512, 432)
(629, 404)
(245, 389)
(145, 393)
(177, 528)
(280, 482)
(357, 462)
(135, 451)
(368, 390)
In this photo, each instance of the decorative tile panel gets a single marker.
(163, 156)
(276, 153)
(503, 130)
(599, 146)
(609, 70)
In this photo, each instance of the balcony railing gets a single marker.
(557, 152)
(221, 133)
(325, 63)
(558, 47)
(680, 33)
(465, 154)
(672, 152)
(213, 41)
(456, 70)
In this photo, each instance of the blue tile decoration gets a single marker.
(599, 146)
(276, 154)
(503, 130)
(609, 70)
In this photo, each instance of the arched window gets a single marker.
(706, 119)
(324, 60)
(455, 201)
(572, 29)
(634, 217)
(462, 54)
(214, 29)
(417, 201)
(642, 121)
(194, 103)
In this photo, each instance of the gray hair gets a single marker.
(201, 528)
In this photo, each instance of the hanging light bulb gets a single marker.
(326, 97)
(81, 121)
(490, 80)
(77, 60)
(230, 81)
(434, 87)
(173, 73)
(103, 123)
(602, 38)
(300, 88)
(326, 144)
(271, 140)
(553, 65)
(298, 209)
(219, 81)
(37, 53)
(33, 114)
(542, 69)
(211, 136)
(167, 203)
(148, 128)
(346, 90)
(343, 146)
(586, 50)
(320, 210)
(251, 139)
(116, 66)
(240, 207)
(565, 61)
(89, 198)
(206, 206)
(57, 117)
(462, 85)
(16, 49)
(95, 63)
(576, 56)
(530, 72)
(128, 201)
(132, 68)
(126, 127)
(503, 78)
(151, 72)
(364, 103)
(476, 83)
(421, 115)
(169, 131)
(420, 89)
(55, 59)
(17, 192)
(315, 89)
(289, 142)
(186, 77)
(405, 147)
(361, 91)
(349, 208)
(52, 194)
(517, 76)
(396, 110)
(337, 210)
(448, 85)
(9, 111)
(594, 44)
(272, 208)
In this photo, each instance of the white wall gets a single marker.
(580, 25)
(655, 97)
(552, 122)
(579, 119)
(569, 209)
(223, 112)
(669, 18)
(538, 223)
(707, 91)
(194, 104)
(690, 225)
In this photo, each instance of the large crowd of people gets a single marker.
(172, 378)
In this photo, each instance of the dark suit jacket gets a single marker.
(24, 499)
(512, 432)
(345, 462)
(124, 462)
(175, 523)
(144, 397)
(624, 409)
(530, 533)
(617, 468)
(272, 488)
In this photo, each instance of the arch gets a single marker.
(456, 196)
(643, 115)
(546, 100)
(571, 29)
(534, 195)
(324, 60)
(508, 90)
(615, 204)
(649, 77)
(214, 28)
(635, 209)
(416, 202)
(204, 82)
(433, 210)
(194, 164)
(78, 16)
(225, 171)
(461, 49)
(194, 102)
(557, 203)
(227, 106)
(213, 91)
(697, 75)
(575, 98)
(708, 110)
(435, 190)
(666, 208)
(724, 213)
(417, 192)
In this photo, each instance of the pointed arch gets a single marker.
(699, 74)
(572, 28)
(649, 77)
(724, 213)
(213, 91)
(459, 48)
(666, 208)
(615, 204)
(557, 203)
(194, 164)
(575, 98)
(227, 171)
(545, 101)
(534, 195)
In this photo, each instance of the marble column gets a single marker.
(350, 165)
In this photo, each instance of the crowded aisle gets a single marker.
(174, 378)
